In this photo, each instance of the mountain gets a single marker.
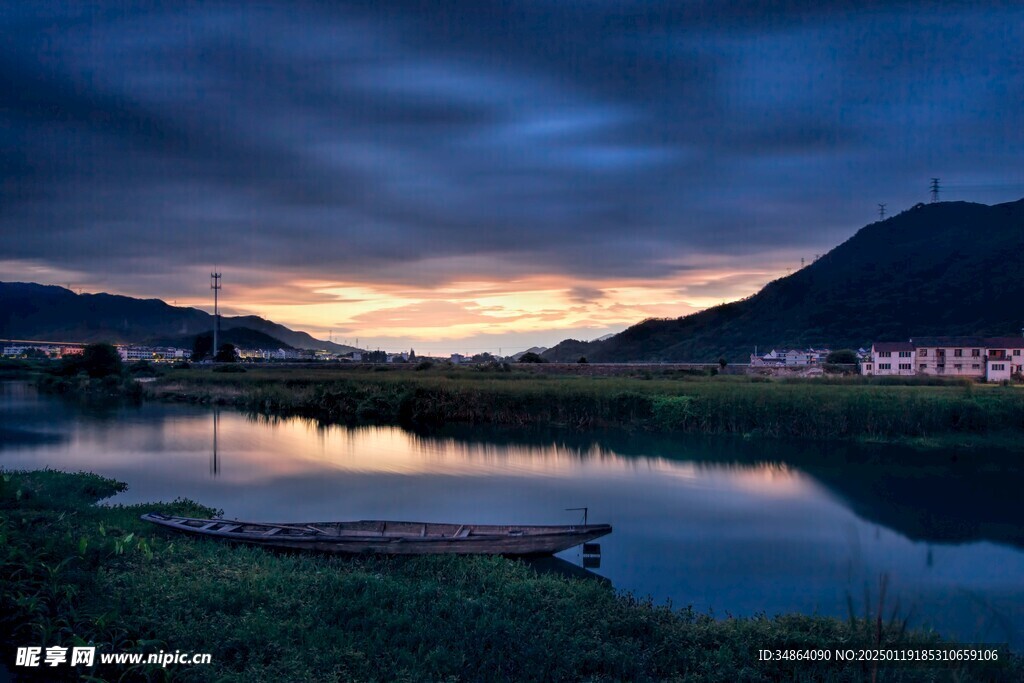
(240, 337)
(533, 349)
(293, 338)
(949, 268)
(46, 312)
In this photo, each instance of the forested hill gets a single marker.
(44, 312)
(947, 268)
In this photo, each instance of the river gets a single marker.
(730, 526)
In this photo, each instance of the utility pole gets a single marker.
(935, 189)
(215, 286)
(881, 211)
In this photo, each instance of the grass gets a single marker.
(841, 408)
(74, 573)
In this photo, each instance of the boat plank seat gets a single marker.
(272, 531)
(462, 532)
(210, 525)
(229, 527)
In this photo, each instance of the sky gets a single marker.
(475, 176)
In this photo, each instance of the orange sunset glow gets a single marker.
(481, 314)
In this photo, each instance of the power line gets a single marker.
(881, 211)
(935, 189)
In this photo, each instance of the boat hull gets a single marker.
(392, 538)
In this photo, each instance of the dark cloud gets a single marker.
(585, 294)
(377, 141)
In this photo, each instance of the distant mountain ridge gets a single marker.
(533, 349)
(240, 337)
(948, 268)
(48, 312)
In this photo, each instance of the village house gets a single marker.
(990, 358)
(789, 358)
(889, 358)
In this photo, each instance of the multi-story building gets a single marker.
(889, 358)
(994, 358)
(990, 358)
(130, 354)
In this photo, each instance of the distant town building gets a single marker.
(19, 349)
(156, 354)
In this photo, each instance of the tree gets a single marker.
(531, 357)
(97, 360)
(722, 362)
(842, 357)
(583, 359)
(226, 354)
(202, 347)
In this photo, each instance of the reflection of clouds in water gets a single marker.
(391, 450)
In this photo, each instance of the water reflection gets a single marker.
(214, 463)
(729, 525)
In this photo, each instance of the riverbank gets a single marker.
(77, 573)
(962, 413)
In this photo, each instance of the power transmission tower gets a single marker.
(215, 286)
(881, 211)
(935, 189)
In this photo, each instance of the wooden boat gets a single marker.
(391, 538)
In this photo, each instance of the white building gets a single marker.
(789, 358)
(991, 358)
(152, 353)
(890, 358)
(768, 360)
(994, 358)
